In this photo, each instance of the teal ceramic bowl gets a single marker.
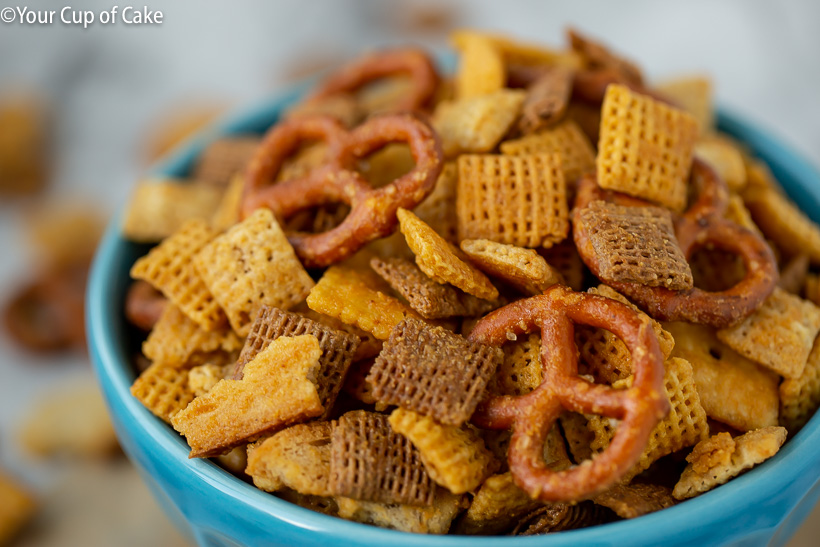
(762, 507)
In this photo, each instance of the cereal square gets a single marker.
(800, 397)
(522, 268)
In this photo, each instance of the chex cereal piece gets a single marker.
(496, 507)
(297, 457)
(783, 222)
(634, 500)
(159, 208)
(433, 371)
(455, 457)
(352, 296)
(481, 68)
(518, 52)
(170, 268)
(564, 257)
(685, 425)
(476, 124)
(440, 260)
(751, 449)
(604, 355)
(693, 94)
(418, 519)
(432, 300)
(560, 517)
(252, 265)
(17, 507)
(737, 212)
(438, 210)
(519, 200)
(778, 335)
(356, 384)
(645, 147)
(369, 345)
(523, 268)
(163, 390)
(636, 245)
(732, 389)
(338, 348)
(579, 437)
(725, 158)
(566, 139)
(800, 397)
(716, 451)
(203, 378)
(370, 462)
(277, 390)
(520, 371)
(176, 340)
(227, 212)
(224, 158)
(321, 504)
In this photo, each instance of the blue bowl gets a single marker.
(764, 506)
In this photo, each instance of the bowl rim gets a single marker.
(114, 373)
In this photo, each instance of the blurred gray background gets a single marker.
(111, 87)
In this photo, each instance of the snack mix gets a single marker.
(538, 295)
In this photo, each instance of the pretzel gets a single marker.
(700, 226)
(411, 62)
(373, 210)
(531, 416)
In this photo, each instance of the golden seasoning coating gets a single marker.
(351, 296)
(779, 334)
(455, 457)
(725, 158)
(369, 345)
(277, 389)
(338, 348)
(751, 449)
(432, 300)
(800, 397)
(250, 266)
(519, 200)
(227, 212)
(169, 267)
(203, 378)
(645, 147)
(370, 462)
(476, 124)
(560, 517)
(433, 371)
(438, 210)
(523, 268)
(440, 260)
(224, 158)
(634, 500)
(297, 457)
(17, 507)
(636, 245)
(732, 389)
(424, 519)
(481, 68)
(496, 507)
(716, 451)
(783, 222)
(163, 389)
(520, 371)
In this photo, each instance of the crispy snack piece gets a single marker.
(250, 266)
(477, 124)
(320, 504)
(170, 268)
(370, 462)
(725, 158)
(356, 384)
(159, 208)
(685, 425)
(560, 517)
(751, 449)
(547, 99)
(793, 274)
(369, 345)
(224, 158)
(455, 457)
(779, 334)
(523, 268)
(693, 94)
(520, 371)
(635, 500)
(440, 260)
(277, 389)
(176, 340)
(783, 222)
(426, 519)
(203, 378)
(565, 138)
(636, 245)
(717, 451)
(17, 507)
(297, 457)
(481, 68)
(604, 355)
(352, 297)
(163, 389)
(338, 348)
(737, 212)
(496, 507)
(433, 371)
(24, 146)
(811, 289)
(518, 53)
(519, 200)
(578, 435)
(732, 389)
(438, 210)
(564, 257)
(645, 147)
(800, 397)
(432, 300)
(596, 56)
(227, 212)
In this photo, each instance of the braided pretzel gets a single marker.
(532, 416)
(373, 210)
(700, 226)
